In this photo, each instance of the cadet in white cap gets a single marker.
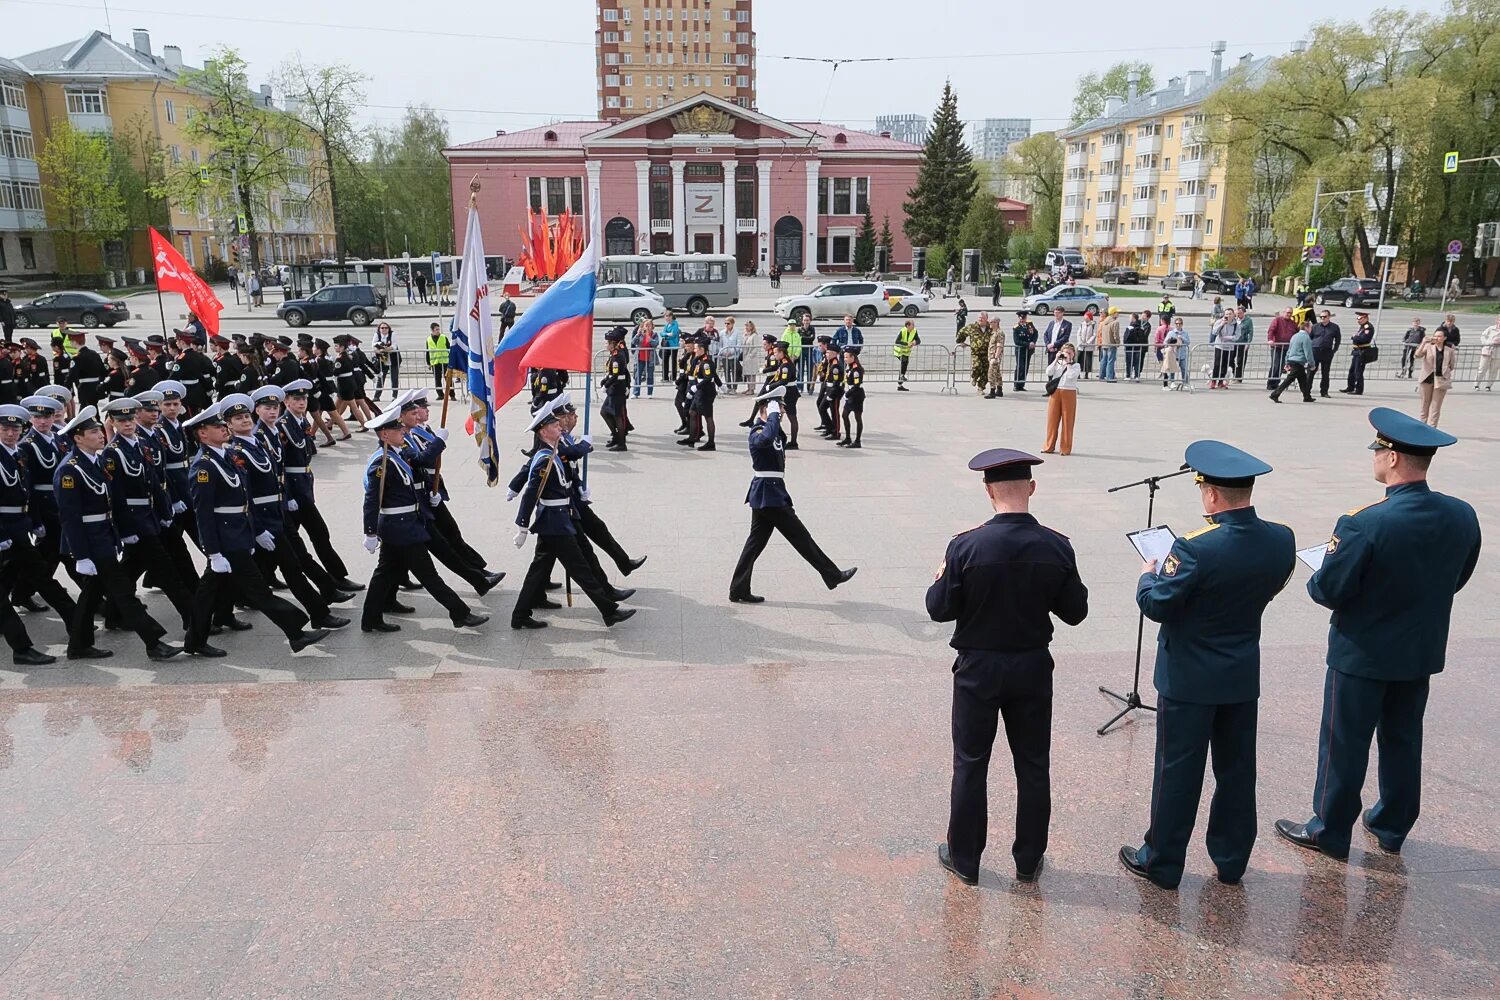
(40, 453)
(18, 558)
(297, 451)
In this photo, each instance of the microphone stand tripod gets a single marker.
(1132, 700)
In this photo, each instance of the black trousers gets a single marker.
(1298, 374)
(590, 556)
(47, 560)
(148, 554)
(174, 542)
(1184, 735)
(1357, 373)
(1278, 362)
(551, 549)
(447, 525)
(310, 520)
(395, 562)
(594, 528)
(1408, 359)
(763, 521)
(825, 410)
(989, 686)
(111, 580)
(287, 557)
(1240, 351)
(245, 581)
(30, 568)
(1023, 366)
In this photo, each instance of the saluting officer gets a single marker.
(1209, 597)
(17, 557)
(90, 539)
(1002, 582)
(1389, 576)
(394, 526)
(221, 504)
(297, 451)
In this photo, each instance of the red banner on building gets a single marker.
(173, 274)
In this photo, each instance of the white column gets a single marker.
(810, 224)
(595, 201)
(679, 209)
(642, 202)
(763, 220)
(730, 212)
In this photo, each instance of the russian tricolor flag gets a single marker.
(557, 331)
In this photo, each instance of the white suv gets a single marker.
(864, 300)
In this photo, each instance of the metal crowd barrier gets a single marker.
(930, 363)
(1260, 359)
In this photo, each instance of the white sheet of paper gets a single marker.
(1312, 556)
(1153, 543)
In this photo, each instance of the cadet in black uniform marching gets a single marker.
(1389, 576)
(616, 386)
(1002, 582)
(1209, 596)
(784, 376)
(546, 385)
(18, 558)
(771, 505)
(703, 390)
(40, 452)
(854, 397)
(298, 449)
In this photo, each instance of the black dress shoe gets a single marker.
(845, 575)
(746, 599)
(237, 625)
(743, 423)
(546, 605)
(623, 594)
(552, 586)
(1275, 398)
(687, 442)
(631, 565)
(338, 597)
(1034, 874)
(471, 620)
(1364, 821)
(792, 446)
(31, 657)
(618, 615)
(614, 447)
(206, 651)
(1133, 865)
(348, 584)
(162, 651)
(381, 627)
(491, 581)
(308, 638)
(31, 604)
(945, 858)
(90, 653)
(409, 587)
(708, 447)
(1297, 834)
(1225, 879)
(397, 608)
(527, 622)
(331, 622)
(854, 445)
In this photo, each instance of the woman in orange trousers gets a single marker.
(1062, 405)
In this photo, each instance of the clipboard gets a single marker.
(1312, 557)
(1152, 543)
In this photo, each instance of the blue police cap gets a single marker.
(1001, 465)
(1398, 431)
(1220, 464)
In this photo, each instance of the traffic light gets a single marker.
(1307, 255)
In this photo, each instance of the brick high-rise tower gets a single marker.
(654, 53)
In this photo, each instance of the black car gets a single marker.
(1350, 292)
(1182, 281)
(357, 304)
(86, 308)
(1122, 276)
(1219, 279)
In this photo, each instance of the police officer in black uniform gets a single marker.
(1209, 595)
(1360, 349)
(1389, 575)
(1002, 582)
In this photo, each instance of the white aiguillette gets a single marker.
(1312, 556)
(1152, 543)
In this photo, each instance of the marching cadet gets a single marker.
(91, 540)
(140, 376)
(854, 397)
(701, 395)
(86, 373)
(252, 375)
(546, 385)
(175, 450)
(1002, 582)
(40, 453)
(114, 380)
(148, 425)
(283, 367)
(1389, 576)
(426, 445)
(771, 505)
(548, 495)
(227, 367)
(9, 377)
(784, 376)
(298, 449)
(767, 368)
(156, 356)
(18, 559)
(395, 528)
(616, 386)
(1209, 596)
(837, 374)
(33, 372)
(221, 504)
(194, 371)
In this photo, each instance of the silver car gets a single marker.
(632, 302)
(1070, 298)
(906, 301)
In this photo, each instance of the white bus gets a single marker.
(694, 283)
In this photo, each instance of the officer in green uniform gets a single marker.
(1389, 576)
(1209, 597)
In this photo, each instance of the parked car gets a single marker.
(1069, 260)
(1183, 281)
(1122, 276)
(1350, 292)
(1072, 299)
(906, 301)
(1220, 279)
(864, 300)
(357, 304)
(632, 302)
(87, 308)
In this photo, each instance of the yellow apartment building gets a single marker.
(1143, 187)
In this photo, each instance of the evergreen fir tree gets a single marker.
(946, 179)
(864, 246)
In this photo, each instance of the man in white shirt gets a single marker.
(1489, 357)
(1058, 333)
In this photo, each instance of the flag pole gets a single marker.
(162, 309)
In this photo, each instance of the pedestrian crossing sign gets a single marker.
(1310, 237)
(1450, 162)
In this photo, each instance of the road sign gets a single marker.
(1456, 247)
(1310, 237)
(1450, 162)
(437, 268)
(1454, 258)
(243, 224)
(1315, 254)
(203, 175)
(1387, 250)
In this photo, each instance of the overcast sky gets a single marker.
(486, 71)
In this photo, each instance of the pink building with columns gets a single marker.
(699, 176)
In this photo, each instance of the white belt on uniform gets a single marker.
(44, 487)
(137, 502)
(175, 465)
(408, 509)
(297, 469)
(12, 510)
(81, 381)
(554, 503)
(188, 381)
(769, 475)
(273, 498)
(94, 518)
(229, 510)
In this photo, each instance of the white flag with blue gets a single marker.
(472, 331)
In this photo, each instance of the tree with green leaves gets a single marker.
(864, 246)
(1093, 88)
(323, 99)
(888, 241)
(946, 179)
(84, 205)
(984, 228)
(1036, 165)
(1027, 249)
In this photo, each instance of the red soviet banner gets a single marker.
(174, 275)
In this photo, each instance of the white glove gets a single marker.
(291, 505)
(86, 567)
(371, 544)
(436, 498)
(584, 496)
(441, 433)
(588, 439)
(773, 407)
(510, 495)
(179, 508)
(520, 539)
(266, 541)
(217, 563)
(130, 539)
(39, 532)
(165, 524)
(5, 543)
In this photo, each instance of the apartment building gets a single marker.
(903, 128)
(993, 137)
(25, 244)
(127, 92)
(1142, 185)
(651, 54)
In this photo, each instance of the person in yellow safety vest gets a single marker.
(792, 338)
(906, 339)
(437, 354)
(66, 334)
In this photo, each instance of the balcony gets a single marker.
(1187, 238)
(1142, 176)
(1193, 135)
(1193, 170)
(1070, 241)
(1107, 211)
(1077, 159)
(1073, 213)
(661, 225)
(22, 218)
(1112, 152)
(1263, 238)
(1074, 186)
(1109, 182)
(1143, 207)
(745, 226)
(1141, 238)
(1102, 238)
(92, 123)
(1147, 144)
(1190, 204)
